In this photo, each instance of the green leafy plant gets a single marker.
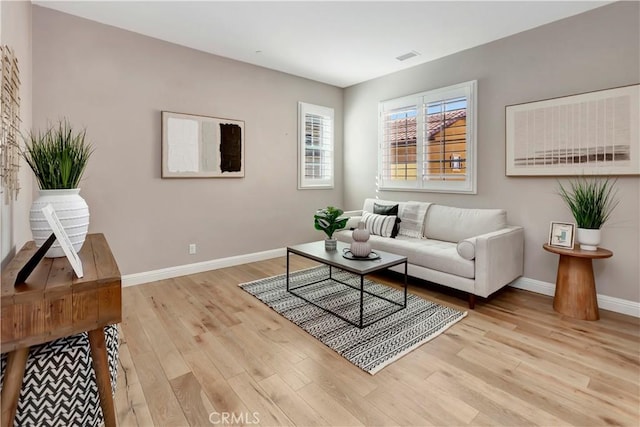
(328, 220)
(57, 156)
(591, 200)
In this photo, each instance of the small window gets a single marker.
(427, 141)
(315, 146)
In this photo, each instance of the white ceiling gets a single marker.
(340, 42)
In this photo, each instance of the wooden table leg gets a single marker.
(576, 289)
(13, 376)
(103, 379)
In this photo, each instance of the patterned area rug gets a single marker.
(371, 348)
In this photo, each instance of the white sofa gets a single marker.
(472, 250)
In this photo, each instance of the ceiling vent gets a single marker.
(407, 55)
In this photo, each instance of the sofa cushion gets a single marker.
(380, 225)
(388, 210)
(455, 224)
(467, 248)
(412, 216)
(399, 246)
(441, 256)
(434, 254)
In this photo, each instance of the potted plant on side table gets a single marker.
(591, 202)
(58, 158)
(328, 220)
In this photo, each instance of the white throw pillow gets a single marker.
(352, 222)
(412, 219)
(467, 248)
(380, 225)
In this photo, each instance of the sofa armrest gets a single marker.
(499, 259)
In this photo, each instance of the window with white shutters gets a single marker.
(316, 146)
(427, 141)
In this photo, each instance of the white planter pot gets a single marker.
(71, 210)
(588, 238)
(330, 244)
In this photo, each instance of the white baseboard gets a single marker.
(198, 267)
(605, 302)
(533, 285)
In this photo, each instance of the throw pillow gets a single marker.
(380, 225)
(412, 217)
(385, 209)
(352, 222)
(388, 210)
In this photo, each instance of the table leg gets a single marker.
(13, 376)
(361, 298)
(576, 289)
(405, 284)
(287, 270)
(103, 379)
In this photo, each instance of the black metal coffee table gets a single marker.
(334, 259)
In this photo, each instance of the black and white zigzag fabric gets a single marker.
(59, 386)
(371, 348)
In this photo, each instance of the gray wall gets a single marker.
(116, 83)
(595, 50)
(14, 216)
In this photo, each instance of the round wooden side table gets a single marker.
(575, 284)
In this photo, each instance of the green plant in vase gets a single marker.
(58, 158)
(329, 220)
(591, 201)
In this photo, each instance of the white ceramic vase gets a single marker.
(588, 238)
(330, 244)
(71, 210)
(360, 247)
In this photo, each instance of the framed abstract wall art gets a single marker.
(201, 146)
(595, 133)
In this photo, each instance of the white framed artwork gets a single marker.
(595, 133)
(201, 146)
(562, 234)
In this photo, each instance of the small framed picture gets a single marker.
(61, 236)
(561, 234)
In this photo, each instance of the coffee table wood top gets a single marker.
(316, 252)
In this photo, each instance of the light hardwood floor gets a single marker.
(199, 351)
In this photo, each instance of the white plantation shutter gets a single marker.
(316, 146)
(399, 152)
(427, 141)
(446, 139)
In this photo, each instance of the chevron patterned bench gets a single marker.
(59, 386)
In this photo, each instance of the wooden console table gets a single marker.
(575, 284)
(53, 303)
